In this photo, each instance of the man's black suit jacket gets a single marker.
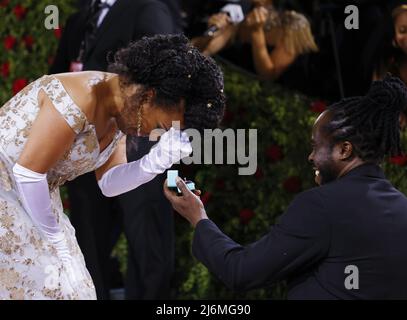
(353, 227)
(127, 20)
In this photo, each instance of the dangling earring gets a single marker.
(139, 118)
(394, 43)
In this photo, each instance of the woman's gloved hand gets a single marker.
(172, 147)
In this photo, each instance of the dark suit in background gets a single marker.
(97, 219)
(358, 220)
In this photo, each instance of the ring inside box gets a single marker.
(172, 184)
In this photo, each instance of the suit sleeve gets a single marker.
(160, 14)
(299, 240)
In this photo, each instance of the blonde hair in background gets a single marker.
(398, 10)
(292, 29)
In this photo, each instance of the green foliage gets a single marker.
(243, 206)
(246, 206)
(22, 22)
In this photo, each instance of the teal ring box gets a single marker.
(172, 184)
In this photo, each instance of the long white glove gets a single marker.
(172, 147)
(34, 193)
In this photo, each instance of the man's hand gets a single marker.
(189, 205)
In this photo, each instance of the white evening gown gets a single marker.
(29, 266)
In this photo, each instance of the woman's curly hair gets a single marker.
(175, 70)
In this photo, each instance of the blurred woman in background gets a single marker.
(267, 42)
(394, 57)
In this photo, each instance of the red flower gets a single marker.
(58, 33)
(50, 60)
(19, 84)
(228, 117)
(206, 197)
(399, 160)
(242, 111)
(220, 184)
(274, 153)
(19, 11)
(4, 3)
(318, 106)
(292, 184)
(66, 204)
(5, 69)
(9, 42)
(28, 41)
(259, 174)
(246, 215)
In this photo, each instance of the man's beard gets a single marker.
(327, 173)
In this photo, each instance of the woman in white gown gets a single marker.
(62, 126)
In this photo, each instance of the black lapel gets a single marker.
(109, 19)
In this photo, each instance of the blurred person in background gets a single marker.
(267, 42)
(394, 60)
(392, 53)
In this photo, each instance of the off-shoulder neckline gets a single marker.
(93, 127)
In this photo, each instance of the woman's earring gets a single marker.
(139, 117)
(394, 44)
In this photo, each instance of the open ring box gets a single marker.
(172, 184)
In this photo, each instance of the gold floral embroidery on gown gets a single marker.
(29, 266)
